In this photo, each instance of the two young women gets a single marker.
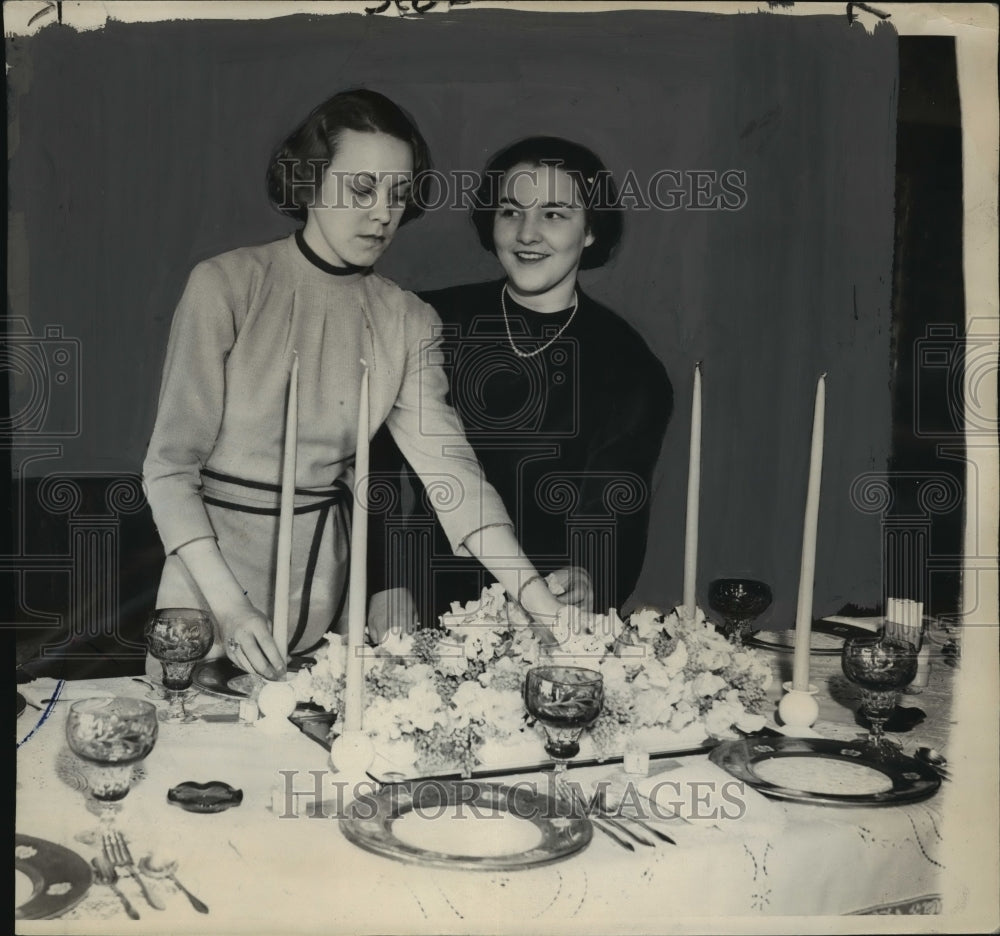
(213, 465)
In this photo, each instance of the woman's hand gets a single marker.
(573, 586)
(246, 636)
(554, 620)
(391, 610)
(245, 632)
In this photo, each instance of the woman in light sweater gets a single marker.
(350, 171)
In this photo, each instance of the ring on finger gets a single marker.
(233, 645)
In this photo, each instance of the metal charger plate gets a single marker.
(911, 780)
(60, 878)
(773, 639)
(761, 641)
(370, 820)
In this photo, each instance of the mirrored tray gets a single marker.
(316, 724)
(59, 878)
(907, 780)
(447, 823)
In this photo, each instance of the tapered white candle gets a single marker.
(358, 585)
(286, 515)
(810, 525)
(693, 495)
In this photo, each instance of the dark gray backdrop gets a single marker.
(138, 150)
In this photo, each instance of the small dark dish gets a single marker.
(212, 797)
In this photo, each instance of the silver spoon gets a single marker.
(169, 870)
(934, 758)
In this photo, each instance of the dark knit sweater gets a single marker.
(568, 437)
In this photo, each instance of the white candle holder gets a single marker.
(276, 702)
(351, 754)
(798, 710)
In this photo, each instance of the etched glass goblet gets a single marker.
(565, 700)
(880, 665)
(178, 638)
(739, 601)
(111, 735)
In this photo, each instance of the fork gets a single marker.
(617, 813)
(116, 851)
(104, 873)
(617, 819)
(662, 836)
(570, 796)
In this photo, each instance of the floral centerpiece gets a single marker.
(451, 698)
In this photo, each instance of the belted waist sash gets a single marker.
(326, 500)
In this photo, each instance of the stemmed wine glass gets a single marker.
(111, 735)
(565, 700)
(739, 601)
(178, 638)
(881, 664)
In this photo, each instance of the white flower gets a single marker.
(720, 717)
(652, 707)
(380, 718)
(683, 715)
(398, 645)
(424, 708)
(647, 621)
(614, 672)
(708, 684)
(749, 722)
(302, 684)
(677, 660)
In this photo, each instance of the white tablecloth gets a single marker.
(261, 873)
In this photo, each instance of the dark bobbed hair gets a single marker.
(593, 180)
(297, 165)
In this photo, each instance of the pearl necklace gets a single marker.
(555, 337)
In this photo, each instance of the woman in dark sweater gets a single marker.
(562, 400)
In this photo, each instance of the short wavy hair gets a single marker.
(296, 168)
(595, 186)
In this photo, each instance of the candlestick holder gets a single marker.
(276, 702)
(352, 753)
(798, 710)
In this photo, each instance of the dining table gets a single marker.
(280, 860)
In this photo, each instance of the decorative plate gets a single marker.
(59, 878)
(465, 824)
(221, 677)
(820, 770)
